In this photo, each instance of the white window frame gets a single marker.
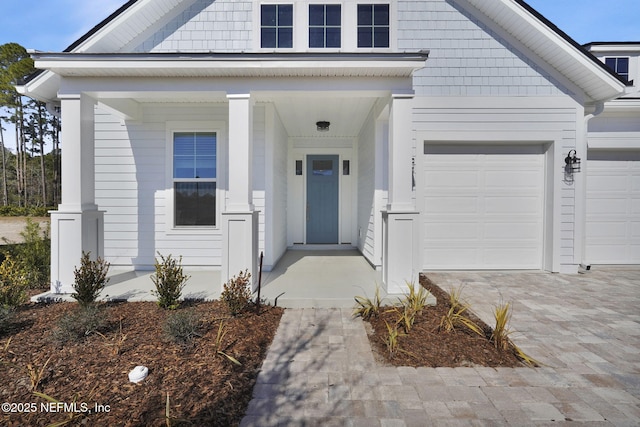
(192, 126)
(342, 26)
(293, 25)
(349, 26)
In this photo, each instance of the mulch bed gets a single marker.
(426, 345)
(204, 387)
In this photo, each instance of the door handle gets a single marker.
(307, 213)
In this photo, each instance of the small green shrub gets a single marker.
(182, 327)
(170, 280)
(90, 279)
(34, 254)
(236, 294)
(79, 323)
(13, 283)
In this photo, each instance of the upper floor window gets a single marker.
(619, 65)
(276, 26)
(324, 25)
(194, 178)
(373, 25)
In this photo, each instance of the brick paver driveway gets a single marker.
(584, 328)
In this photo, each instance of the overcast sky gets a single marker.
(52, 25)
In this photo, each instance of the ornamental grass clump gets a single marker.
(502, 331)
(457, 316)
(183, 327)
(236, 294)
(90, 279)
(367, 308)
(75, 325)
(170, 280)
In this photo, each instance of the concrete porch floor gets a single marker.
(301, 279)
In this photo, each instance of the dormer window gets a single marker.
(373, 25)
(276, 26)
(325, 23)
(619, 65)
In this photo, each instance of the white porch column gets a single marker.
(401, 250)
(77, 225)
(239, 219)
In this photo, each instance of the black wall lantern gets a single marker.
(572, 162)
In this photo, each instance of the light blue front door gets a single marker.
(322, 199)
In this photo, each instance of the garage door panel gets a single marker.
(451, 204)
(438, 230)
(613, 207)
(495, 180)
(606, 229)
(443, 179)
(494, 221)
(513, 205)
(517, 232)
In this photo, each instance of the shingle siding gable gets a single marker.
(221, 26)
(465, 57)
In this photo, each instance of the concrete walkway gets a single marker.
(320, 370)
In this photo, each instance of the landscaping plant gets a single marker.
(13, 283)
(35, 374)
(501, 332)
(456, 315)
(366, 308)
(77, 324)
(222, 332)
(90, 279)
(416, 300)
(236, 293)
(183, 327)
(170, 280)
(33, 255)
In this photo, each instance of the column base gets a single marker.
(240, 245)
(400, 250)
(71, 234)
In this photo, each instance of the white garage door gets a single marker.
(613, 208)
(483, 207)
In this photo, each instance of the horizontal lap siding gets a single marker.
(366, 190)
(259, 172)
(131, 186)
(279, 197)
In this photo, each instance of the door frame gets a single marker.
(300, 149)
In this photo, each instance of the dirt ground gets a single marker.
(11, 226)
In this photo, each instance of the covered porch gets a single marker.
(120, 115)
(301, 279)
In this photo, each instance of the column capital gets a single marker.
(239, 96)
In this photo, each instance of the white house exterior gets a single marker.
(613, 174)
(191, 127)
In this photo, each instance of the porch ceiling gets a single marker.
(346, 115)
